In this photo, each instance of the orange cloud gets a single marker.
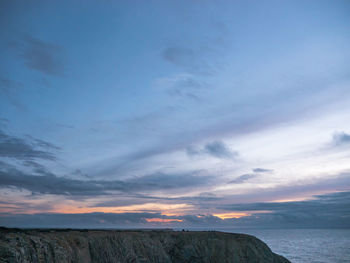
(231, 215)
(240, 214)
(148, 207)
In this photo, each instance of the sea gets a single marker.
(302, 245)
(305, 245)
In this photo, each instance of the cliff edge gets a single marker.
(131, 246)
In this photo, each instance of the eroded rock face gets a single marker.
(131, 246)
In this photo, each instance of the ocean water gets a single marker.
(305, 245)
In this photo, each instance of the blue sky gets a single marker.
(175, 109)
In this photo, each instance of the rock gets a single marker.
(131, 246)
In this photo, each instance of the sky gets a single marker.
(175, 113)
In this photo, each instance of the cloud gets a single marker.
(46, 182)
(204, 55)
(336, 202)
(43, 144)
(105, 220)
(301, 188)
(219, 149)
(182, 85)
(232, 120)
(329, 210)
(341, 139)
(262, 170)
(128, 162)
(37, 168)
(201, 60)
(325, 211)
(77, 220)
(40, 55)
(25, 206)
(243, 178)
(191, 151)
(21, 149)
(216, 149)
(180, 56)
(131, 199)
(169, 181)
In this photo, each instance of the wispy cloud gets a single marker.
(201, 60)
(46, 182)
(39, 55)
(246, 177)
(21, 149)
(136, 198)
(181, 56)
(182, 85)
(204, 56)
(243, 178)
(262, 170)
(216, 149)
(219, 150)
(341, 139)
(295, 190)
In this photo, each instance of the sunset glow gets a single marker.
(148, 207)
(231, 215)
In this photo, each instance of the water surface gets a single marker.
(305, 245)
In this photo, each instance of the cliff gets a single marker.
(131, 246)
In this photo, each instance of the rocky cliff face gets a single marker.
(131, 246)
